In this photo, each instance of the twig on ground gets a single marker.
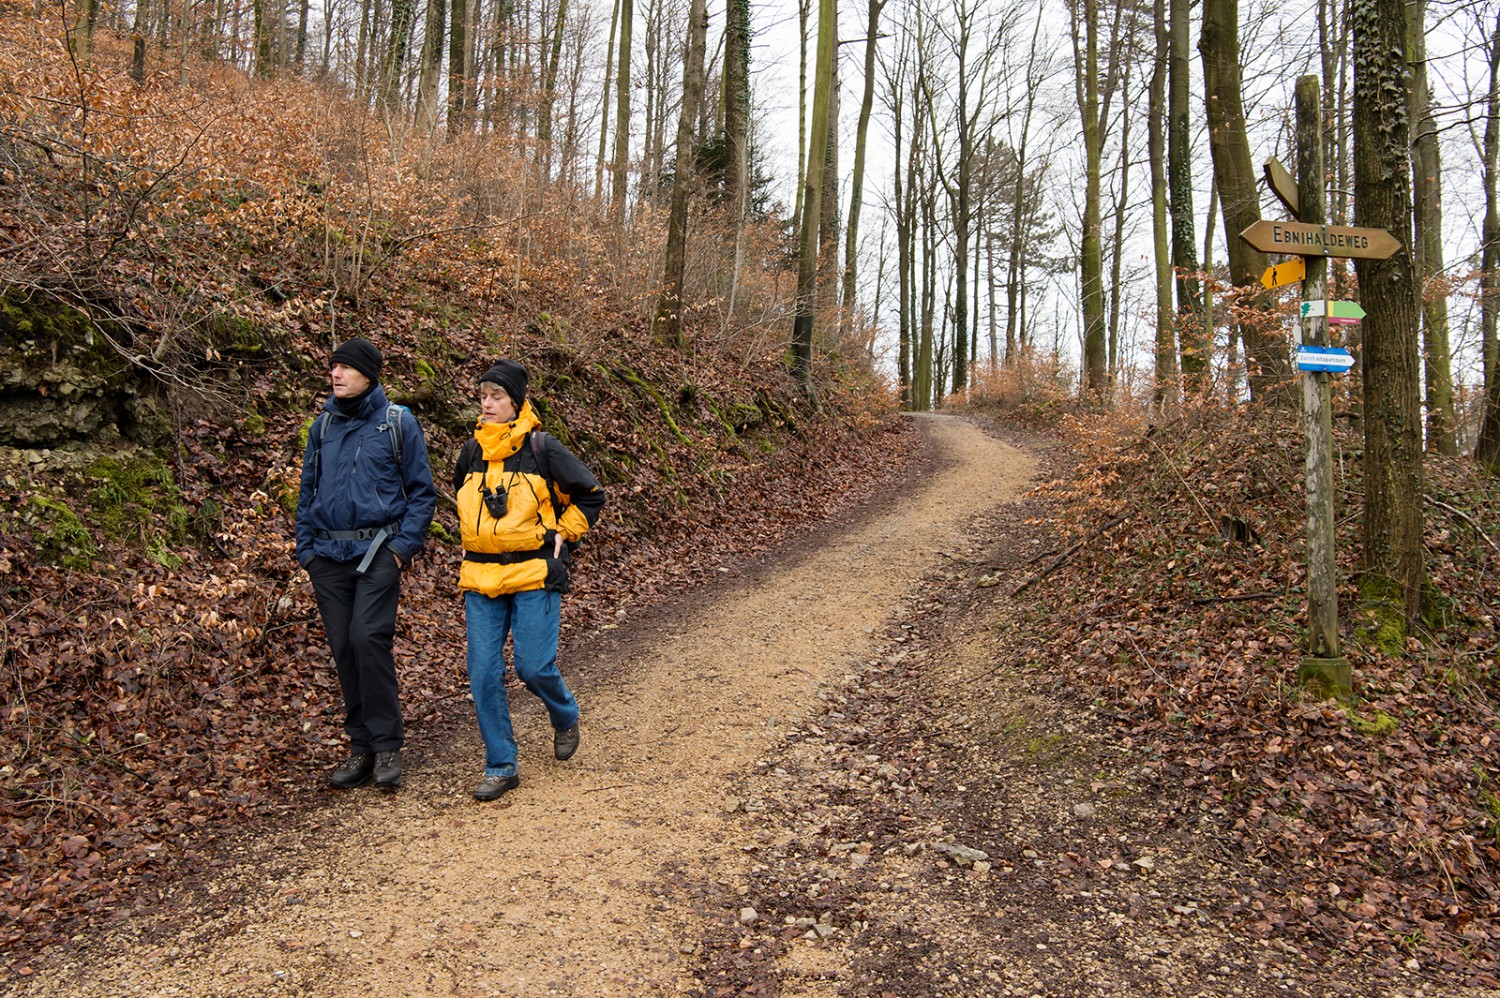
(1068, 552)
(1242, 597)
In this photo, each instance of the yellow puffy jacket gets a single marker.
(512, 553)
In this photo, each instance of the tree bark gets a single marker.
(857, 181)
(403, 15)
(1194, 350)
(1091, 263)
(1393, 569)
(1427, 243)
(1487, 449)
(812, 195)
(1266, 355)
(621, 163)
(1165, 368)
(669, 306)
(432, 64)
(549, 85)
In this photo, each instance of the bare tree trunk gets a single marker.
(549, 87)
(403, 15)
(432, 64)
(609, 69)
(1117, 244)
(1165, 372)
(1393, 570)
(1180, 195)
(828, 204)
(857, 182)
(138, 40)
(668, 321)
(1091, 262)
(736, 99)
(621, 164)
(1017, 249)
(807, 252)
(1487, 449)
(458, 68)
(1266, 356)
(1427, 242)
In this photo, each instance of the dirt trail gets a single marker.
(564, 887)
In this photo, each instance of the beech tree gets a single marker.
(1266, 355)
(812, 197)
(1391, 582)
(668, 321)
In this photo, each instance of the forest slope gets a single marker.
(181, 255)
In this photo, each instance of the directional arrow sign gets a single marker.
(1347, 310)
(1335, 359)
(1285, 272)
(1283, 186)
(1307, 239)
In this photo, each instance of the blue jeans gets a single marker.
(532, 619)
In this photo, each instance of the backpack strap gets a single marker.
(544, 465)
(393, 414)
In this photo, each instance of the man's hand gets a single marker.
(399, 562)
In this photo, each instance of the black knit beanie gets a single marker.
(510, 376)
(360, 354)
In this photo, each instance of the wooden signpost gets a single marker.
(1310, 241)
(1313, 239)
(1283, 186)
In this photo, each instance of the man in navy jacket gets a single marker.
(366, 502)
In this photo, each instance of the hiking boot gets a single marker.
(491, 787)
(388, 769)
(565, 742)
(354, 772)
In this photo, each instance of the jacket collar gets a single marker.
(499, 441)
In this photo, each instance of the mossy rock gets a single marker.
(136, 495)
(1377, 725)
(61, 537)
(1382, 615)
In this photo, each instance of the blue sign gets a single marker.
(1335, 359)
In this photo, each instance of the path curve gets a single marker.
(565, 886)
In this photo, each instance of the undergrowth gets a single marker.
(1369, 824)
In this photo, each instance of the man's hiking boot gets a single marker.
(354, 772)
(491, 787)
(388, 769)
(565, 742)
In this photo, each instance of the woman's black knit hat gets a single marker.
(510, 376)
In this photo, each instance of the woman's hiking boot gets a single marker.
(565, 741)
(491, 787)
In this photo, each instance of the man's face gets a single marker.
(495, 405)
(347, 382)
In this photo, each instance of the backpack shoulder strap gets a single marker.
(315, 438)
(544, 465)
(393, 422)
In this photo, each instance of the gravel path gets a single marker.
(574, 883)
(812, 779)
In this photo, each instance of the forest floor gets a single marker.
(809, 778)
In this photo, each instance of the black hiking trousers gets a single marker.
(359, 618)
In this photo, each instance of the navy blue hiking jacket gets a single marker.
(355, 484)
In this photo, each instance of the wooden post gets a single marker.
(1323, 667)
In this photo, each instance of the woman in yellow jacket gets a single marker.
(523, 500)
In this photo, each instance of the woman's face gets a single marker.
(494, 405)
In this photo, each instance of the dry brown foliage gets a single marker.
(1371, 825)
